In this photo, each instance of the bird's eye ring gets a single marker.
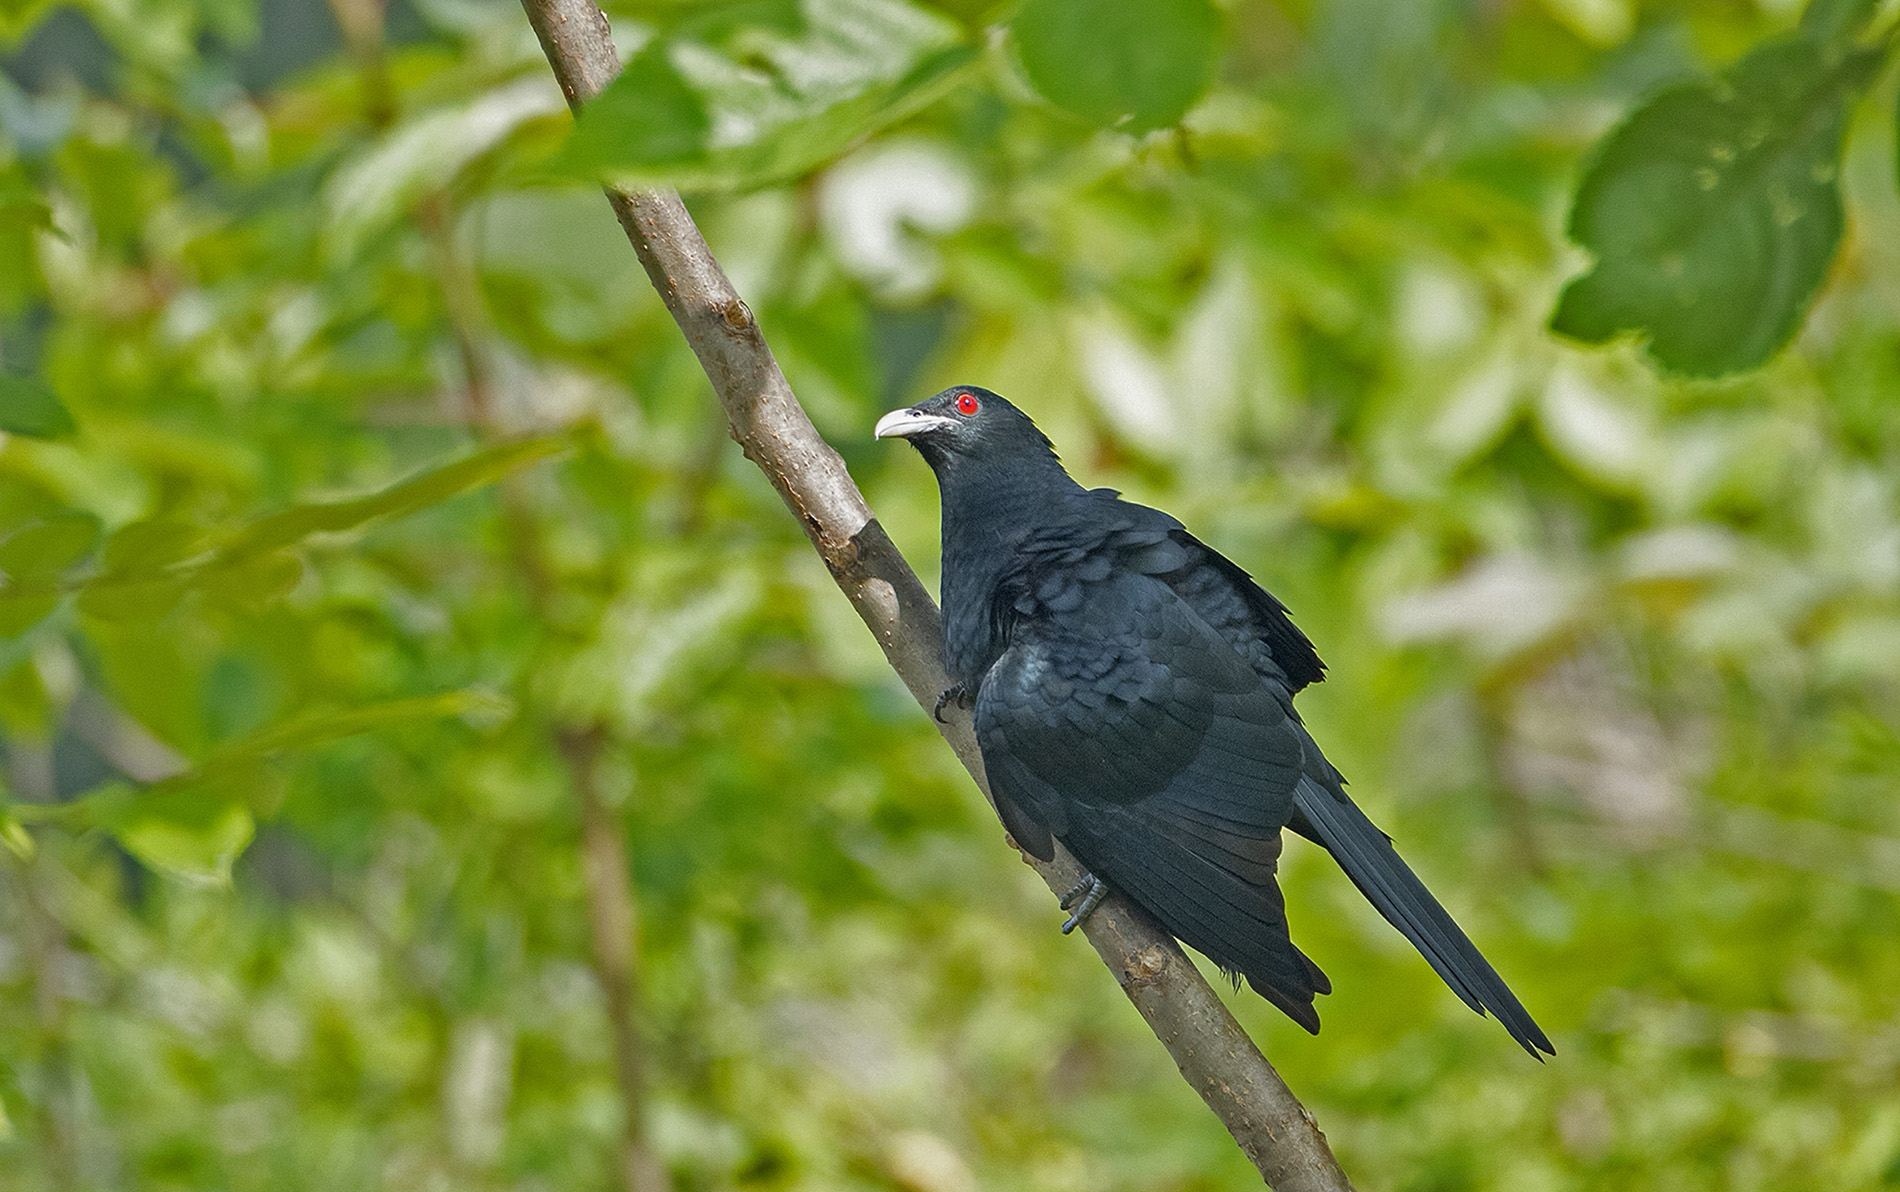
(967, 404)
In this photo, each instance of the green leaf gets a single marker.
(32, 559)
(755, 92)
(149, 567)
(1836, 20)
(1714, 211)
(146, 598)
(28, 407)
(48, 547)
(195, 832)
(14, 835)
(152, 545)
(21, 610)
(254, 583)
(415, 493)
(195, 824)
(1131, 64)
(426, 154)
(18, 17)
(322, 728)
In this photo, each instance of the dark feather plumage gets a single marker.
(1134, 699)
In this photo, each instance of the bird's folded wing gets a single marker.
(1120, 721)
(1245, 615)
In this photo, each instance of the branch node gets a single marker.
(738, 316)
(1145, 967)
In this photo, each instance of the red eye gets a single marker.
(967, 404)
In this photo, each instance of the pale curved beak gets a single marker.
(903, 424)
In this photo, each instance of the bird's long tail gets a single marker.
(1367, 856)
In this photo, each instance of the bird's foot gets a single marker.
(956, 694)
(1084, 897)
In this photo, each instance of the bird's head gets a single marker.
(967, 424)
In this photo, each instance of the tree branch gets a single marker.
(613, 928)
(1214, 1054)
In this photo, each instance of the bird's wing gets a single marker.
(1245, 614)
(1119, 721)
(1248, 617)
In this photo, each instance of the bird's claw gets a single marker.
(1084, 896)
(956, 694)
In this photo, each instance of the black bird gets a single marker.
(1133, 698)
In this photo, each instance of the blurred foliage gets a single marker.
(741, 94)
(1715, 209)
(353, 474)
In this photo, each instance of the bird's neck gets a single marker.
(992, 504)
(989, 509)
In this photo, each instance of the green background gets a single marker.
(361, 493)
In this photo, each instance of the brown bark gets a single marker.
(613, 929)
(1214, 1054)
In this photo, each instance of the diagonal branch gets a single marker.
(1214, 1055)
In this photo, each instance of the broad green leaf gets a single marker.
(321, 728)
(26, 707)
(255, 582)
(31, 561)
(152, 545)
(133, 598)
(18, 17)
(195, 824)
(48, 547)
(29, 407)
(20, 610)
(425, 155)
(1715, 209)
(17, 839)
(195, 831)
(1836, 20)
(149, 567)
(417, 492)
(1136, 65)
(754, 92)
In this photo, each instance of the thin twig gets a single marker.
(1214, 1055)
(29, 775)
(612, 912)
(613, 927)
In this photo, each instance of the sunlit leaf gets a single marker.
(425, 155)
(256, 582)
(321, 728)
(17, 839)
(150, 545)
(417, 492)
(1715, 210)
(133, 598)
(20, 611)
(754, 92)
(31, 562)
(25, 704)
(29, 407)
(48, 547)
(1834, 20)
(195, 831)
(196, 823)
(18, 17)
(149, 567)
(1136, 65)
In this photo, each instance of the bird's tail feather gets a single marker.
(1367, 856)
